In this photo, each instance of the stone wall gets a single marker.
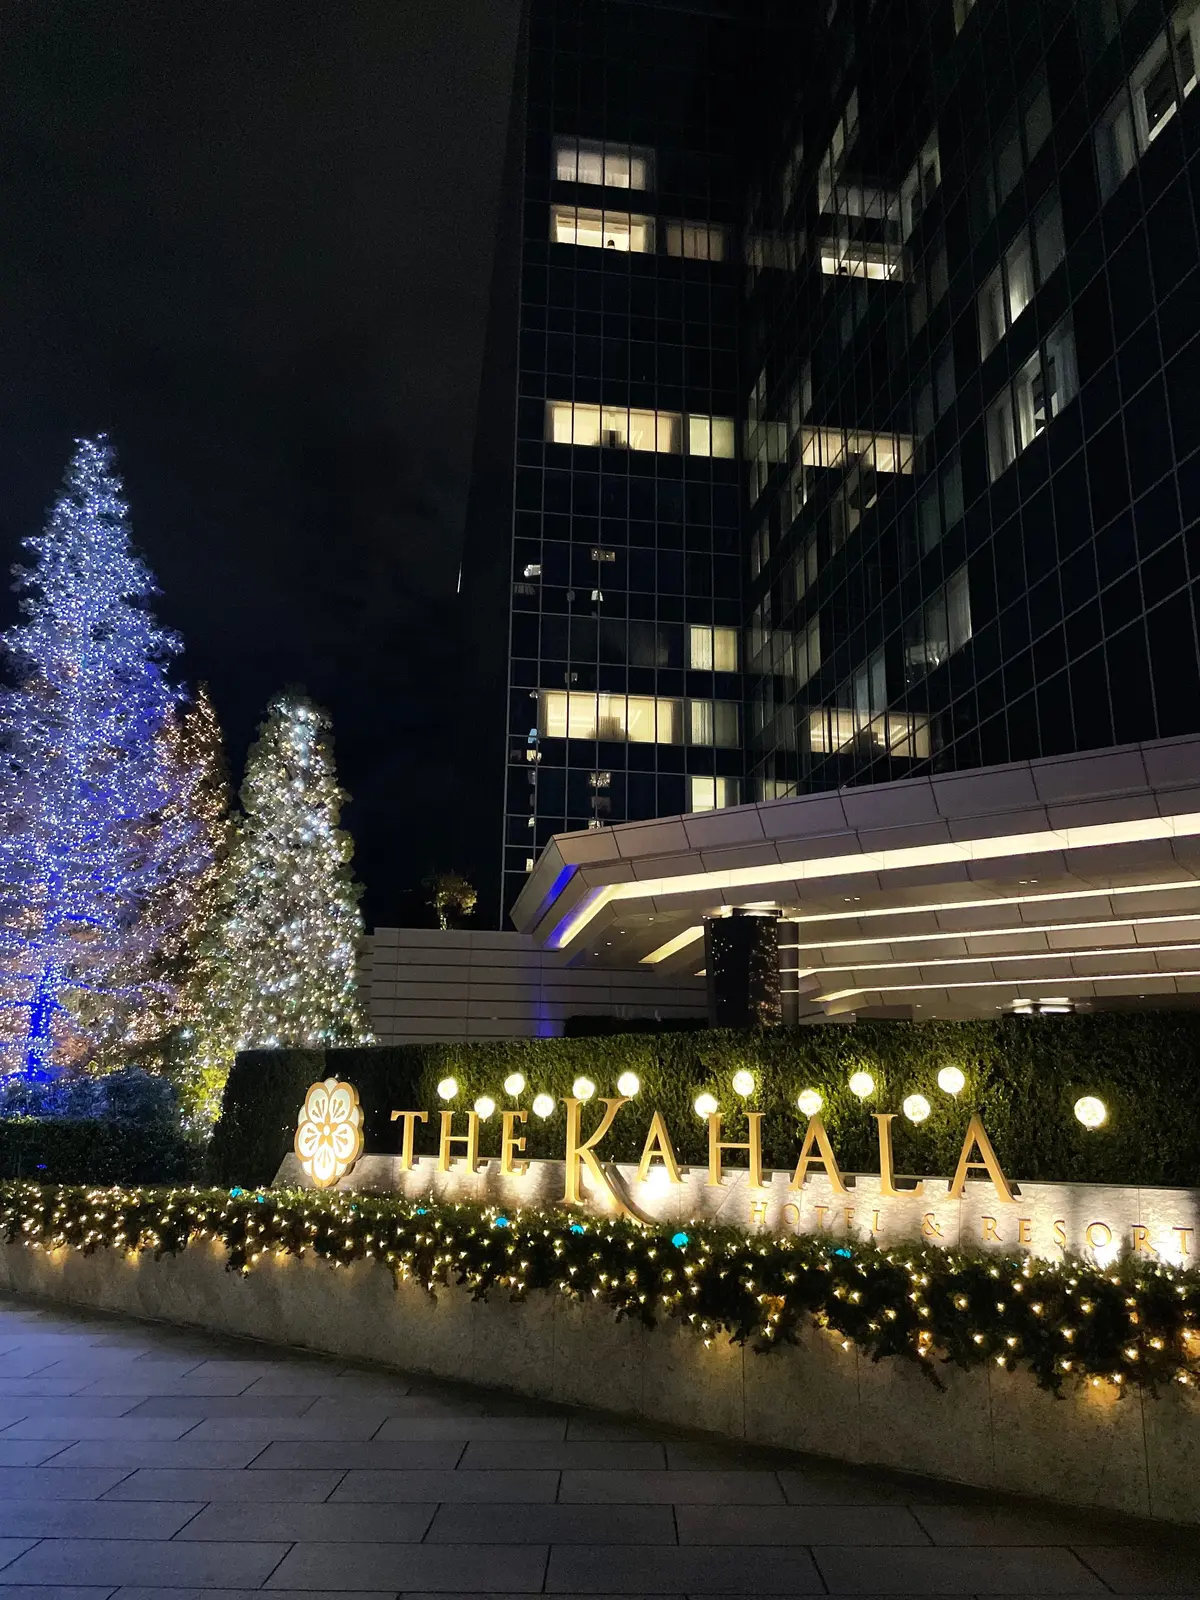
(1132, 1453)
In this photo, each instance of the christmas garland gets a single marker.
(1134, 1323)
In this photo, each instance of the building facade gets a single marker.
(854, 415)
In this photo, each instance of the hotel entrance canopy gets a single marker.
(1067, 881)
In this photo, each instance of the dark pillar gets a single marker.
(741, 962)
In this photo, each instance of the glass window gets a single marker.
(1029, 390)
(952, 491)
(1185, 29)
(614, 166)
(611, 230)
(1038, 119)
(1018, 275)
(713, 649)
(958, 610)
(929, 517)
(1155, 96)
(1048, 236)
(713, 794)
(710, 436)
(638, 718)
(1116, 151)
(944, 386)
(962, 10)
(991, 314)
(1008, 161)
(1001, 437)
(698, 241)
(725, 724)
(700, 720)
(920, 186)
(1061, 379)
(613, 427)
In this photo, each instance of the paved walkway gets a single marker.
(140, 1461)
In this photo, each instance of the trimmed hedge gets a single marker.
(1023, 1076)
(87, 1150)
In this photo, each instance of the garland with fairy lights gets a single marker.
(1135, 1323)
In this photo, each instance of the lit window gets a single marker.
(1010, 287)
(615, 166)
(1162, 79)
(807, 651)
(710, 436)
(1049, 245)
(1018, 275)
(637, 719)
(1001, 435)
(712, 794)
(698, 241)
(939, 628)
(534, 569)
(920, 186)
(1044, 385)
(962, 10)
(713, 722)
(1185, 30)
(712, 649)
(607, 230)
(833, 447)
(613, 427)
(851, 258)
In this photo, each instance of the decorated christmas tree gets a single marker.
(98, 834)
(280, 965)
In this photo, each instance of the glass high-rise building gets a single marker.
(841, 419)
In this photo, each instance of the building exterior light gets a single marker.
(514, 1084)
(543, 1105)
(916, 1108)
(862, 1084)
(628, 1084)
(1093, 1113)
(705, 1105)
(952, 1080)
(583, 1088)
(447, 1089)
(810, 1102)
(484, 1107)
(743, 1083)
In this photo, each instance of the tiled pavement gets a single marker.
(140, 1461)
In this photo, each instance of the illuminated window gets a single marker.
(710, 436)
(851, 258)
(1042, 387)
(939, 628)
(712, 794)
(713, 722)
(713, 649)
(1156, 88)
(614, 166)
(833, 447)
(1010, 287)
(962, 10)
(602, 230)
(698, 241)
(634, 719)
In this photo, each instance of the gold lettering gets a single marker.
(929, 1227)
(887, 1170)
(821, 1211)
(1024, 1226)
(1141, 1238)
(977, 1139)
(794, 1209)
(815, 1134)
(1184, 1235)
(658, 1143)
(758, 1212)
(1098, 1244)
(410, 1119)
(510, 1145)
(716, 1148)
(1060, 1234)
(989, 1230)
(875, 1222)
(447, 1140)
(580, 1153)
(848, 1214)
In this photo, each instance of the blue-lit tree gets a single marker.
(99, 843)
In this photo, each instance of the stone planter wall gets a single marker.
(989, 1428)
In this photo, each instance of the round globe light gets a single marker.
(705, 1105)
(810, 1102)
(951, 1080)
(862, 1084)
(583, 1088)
(514, 1084)
(543, 1105)
(1091, 1112)
(743, 1082)
(628, 1084)
(916, 1108)
(484, 1107)
(448, 1088)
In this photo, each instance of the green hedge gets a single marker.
(1023, 1076)
(1132, 1323)
(79, 1150)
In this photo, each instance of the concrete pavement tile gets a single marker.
(329, 1381)
(11, 1550)
(671, 1488)
(57, 1483)
(39, 1427)
(850, 1488)
(555, 1525)
(797, 1525)
(603, 1428)
(146, 1561)
(314, 1524)
(561, 1455)
(508, 1428)
(23, 1388)
(697, 1570)
(401, 1405)
(1018, 1525)
(143, 1383)
(502, 1569)
(28, 1452)
(1147, 1568)
(220, 1405)
(268, 1428)
(158, 1453)
(95, 1519)
(515, 1486)
(57, 1591)
(137, 1592)
(894, 1571)
(166, 1483)
(64, 1407)
(395, 1454)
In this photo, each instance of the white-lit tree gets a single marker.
(280, 967)
(98, 843)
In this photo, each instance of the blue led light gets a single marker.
(679, 1240)
(236, 1194)
(841, 1252)
(501, 1222)
(578, 1227)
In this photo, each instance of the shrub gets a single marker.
(1023, 1076)
(79, 1150)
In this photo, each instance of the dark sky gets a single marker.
(253, 240)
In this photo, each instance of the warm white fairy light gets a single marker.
(514, 1084)
(810, 1102)
(705, 1105)
(743, 1082)
(628, 1084)
(583, 1089)
(1093, 1113)
(916, 1108)
(447, 1088)
(951, 1080)
(484, 1107)
(543, 1105)
(862, 1084)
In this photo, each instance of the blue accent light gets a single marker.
(236, 1194)
(578, 1227)
(501, 1222)
(679, 1240)
(840, 1252)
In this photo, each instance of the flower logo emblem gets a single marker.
(329, 1136)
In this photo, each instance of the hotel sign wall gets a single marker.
(978, 1206)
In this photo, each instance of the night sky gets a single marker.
(253, 241)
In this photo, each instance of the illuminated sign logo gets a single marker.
(329, 1132)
